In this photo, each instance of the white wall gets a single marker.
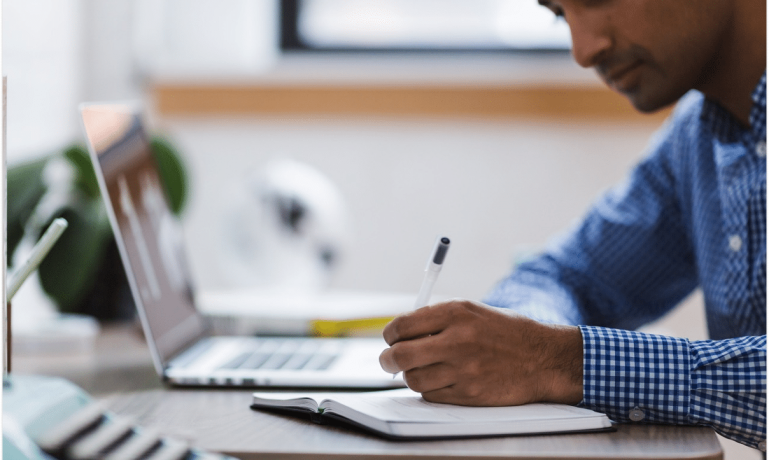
(59, 53)
(110, 71)
(43, 60)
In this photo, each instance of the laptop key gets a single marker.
(237, 361)
(297, 362)
(276, 361)
(327, 363)
(320, 362)
(255, 361)
(290, 346)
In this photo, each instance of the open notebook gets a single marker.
(404, 414)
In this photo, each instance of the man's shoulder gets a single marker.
(684, 129)
(680, 146)
(688, 109)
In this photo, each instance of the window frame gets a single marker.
(291, 42)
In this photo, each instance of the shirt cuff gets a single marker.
(729, 388)
(636, 377)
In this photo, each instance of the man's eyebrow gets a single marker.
(549, 5)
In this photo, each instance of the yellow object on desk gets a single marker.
(349, 328)
(332, 313)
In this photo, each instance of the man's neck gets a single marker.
(740, 62)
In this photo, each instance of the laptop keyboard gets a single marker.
(275, 354)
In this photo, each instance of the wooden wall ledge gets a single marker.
(586, 103)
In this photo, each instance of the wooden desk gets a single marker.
(221, 420)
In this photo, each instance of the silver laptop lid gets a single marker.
(147, 233)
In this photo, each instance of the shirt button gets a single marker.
(735, 243)
(761, 149)
(637, 414)
(762, 446)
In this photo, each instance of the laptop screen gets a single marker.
(148, 235)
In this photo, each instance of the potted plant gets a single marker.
(83, 272)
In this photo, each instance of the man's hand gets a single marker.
(466, 353)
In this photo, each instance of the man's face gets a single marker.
(651, 51)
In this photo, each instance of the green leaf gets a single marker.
(85, 178)
(69, 271)
(25, 188)
(172, 173)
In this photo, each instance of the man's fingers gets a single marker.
(424, 321)
(445, 395)
(430, 378)
(410, 354)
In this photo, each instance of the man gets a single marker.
(692, 213)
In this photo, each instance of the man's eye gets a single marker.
(557, 11)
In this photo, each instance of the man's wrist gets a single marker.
(562, 365)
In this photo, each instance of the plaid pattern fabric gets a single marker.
(636, 377)
(692, 213)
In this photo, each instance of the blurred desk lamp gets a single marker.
(287, 228)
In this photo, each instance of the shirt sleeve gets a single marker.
(647, 378)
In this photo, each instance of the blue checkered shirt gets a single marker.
(692, 213)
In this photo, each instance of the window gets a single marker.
(421, 25)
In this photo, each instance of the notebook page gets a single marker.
(408, 406)
(290, 399)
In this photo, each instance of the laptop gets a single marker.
(149, 237)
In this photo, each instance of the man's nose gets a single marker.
(591, 40)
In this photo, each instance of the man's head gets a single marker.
(651, 51)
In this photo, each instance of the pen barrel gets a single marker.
(423, 297)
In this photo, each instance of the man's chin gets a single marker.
(645, 104)
(646, 108)
(649, 98)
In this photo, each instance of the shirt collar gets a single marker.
(724, 126)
